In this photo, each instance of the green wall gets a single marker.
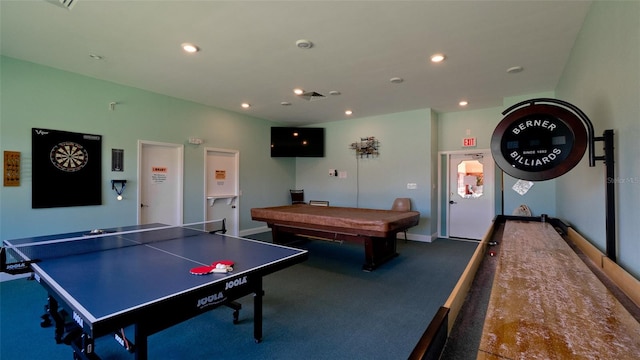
(37, 96)
(602, 78)
(453, 127)
(405, 157)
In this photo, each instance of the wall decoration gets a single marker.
(366, 147)
(117, 159)
(11, 168)
(67, 169)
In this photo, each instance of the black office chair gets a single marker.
(297, 196)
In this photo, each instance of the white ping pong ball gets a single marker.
(119, 197)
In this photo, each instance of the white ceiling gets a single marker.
(249, 54)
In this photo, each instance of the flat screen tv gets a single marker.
(297, 142)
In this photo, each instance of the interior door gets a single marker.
(160, 176)
(471, 199)
(222, 187)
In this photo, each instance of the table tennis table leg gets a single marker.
(58, 320)
(236, 306)
(141, 350)
(257, 310)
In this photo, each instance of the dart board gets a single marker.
(69, 156)
(67, 168)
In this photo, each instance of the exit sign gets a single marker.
(469, 142)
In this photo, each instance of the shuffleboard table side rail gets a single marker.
(626, 282)
(574, 310)
(432, 341)
(430, 345)
(621, 278)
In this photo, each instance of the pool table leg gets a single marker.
(378, 250)
(282, 237)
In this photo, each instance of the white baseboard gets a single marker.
(257, 230)
(416, 237)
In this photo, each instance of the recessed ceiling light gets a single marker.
(348, 112)
(463, 103)
(298, 91)
(334, 92)
(304, 44)
(285, 103)
(396, 80)
(515, 69)
(245, 105)
(436, 58)
(190, 48)
(95, 57)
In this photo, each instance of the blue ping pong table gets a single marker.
(130, 278)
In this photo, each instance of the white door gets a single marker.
(471, 199)
(160, 176)
(222, 187)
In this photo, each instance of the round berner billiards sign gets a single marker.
(538, 142)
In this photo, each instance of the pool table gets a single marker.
(376, 229)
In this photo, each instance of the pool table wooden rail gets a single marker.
(376, 229)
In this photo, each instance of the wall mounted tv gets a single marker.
(297, 142)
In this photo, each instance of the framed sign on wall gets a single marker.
(541, 139)
(539, 142)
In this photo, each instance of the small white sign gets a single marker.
(522, 186)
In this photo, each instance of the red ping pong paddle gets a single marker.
(204, 270)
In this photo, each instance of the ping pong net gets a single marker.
(16, 256)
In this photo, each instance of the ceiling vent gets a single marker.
(67, 4)
(312, 96)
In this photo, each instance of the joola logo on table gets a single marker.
(78, 319)
(120, 340)
(236, 282)
(219, 297)
(17, 266)
(211, 300)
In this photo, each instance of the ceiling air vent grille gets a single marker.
(312, 96)
(67, 4)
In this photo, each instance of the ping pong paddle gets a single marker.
(227, 263)
(202, 270)
(222, 267)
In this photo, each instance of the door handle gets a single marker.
(452, 202)
(143, 205)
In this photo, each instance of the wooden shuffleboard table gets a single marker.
(376, 229)
(545, 303)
